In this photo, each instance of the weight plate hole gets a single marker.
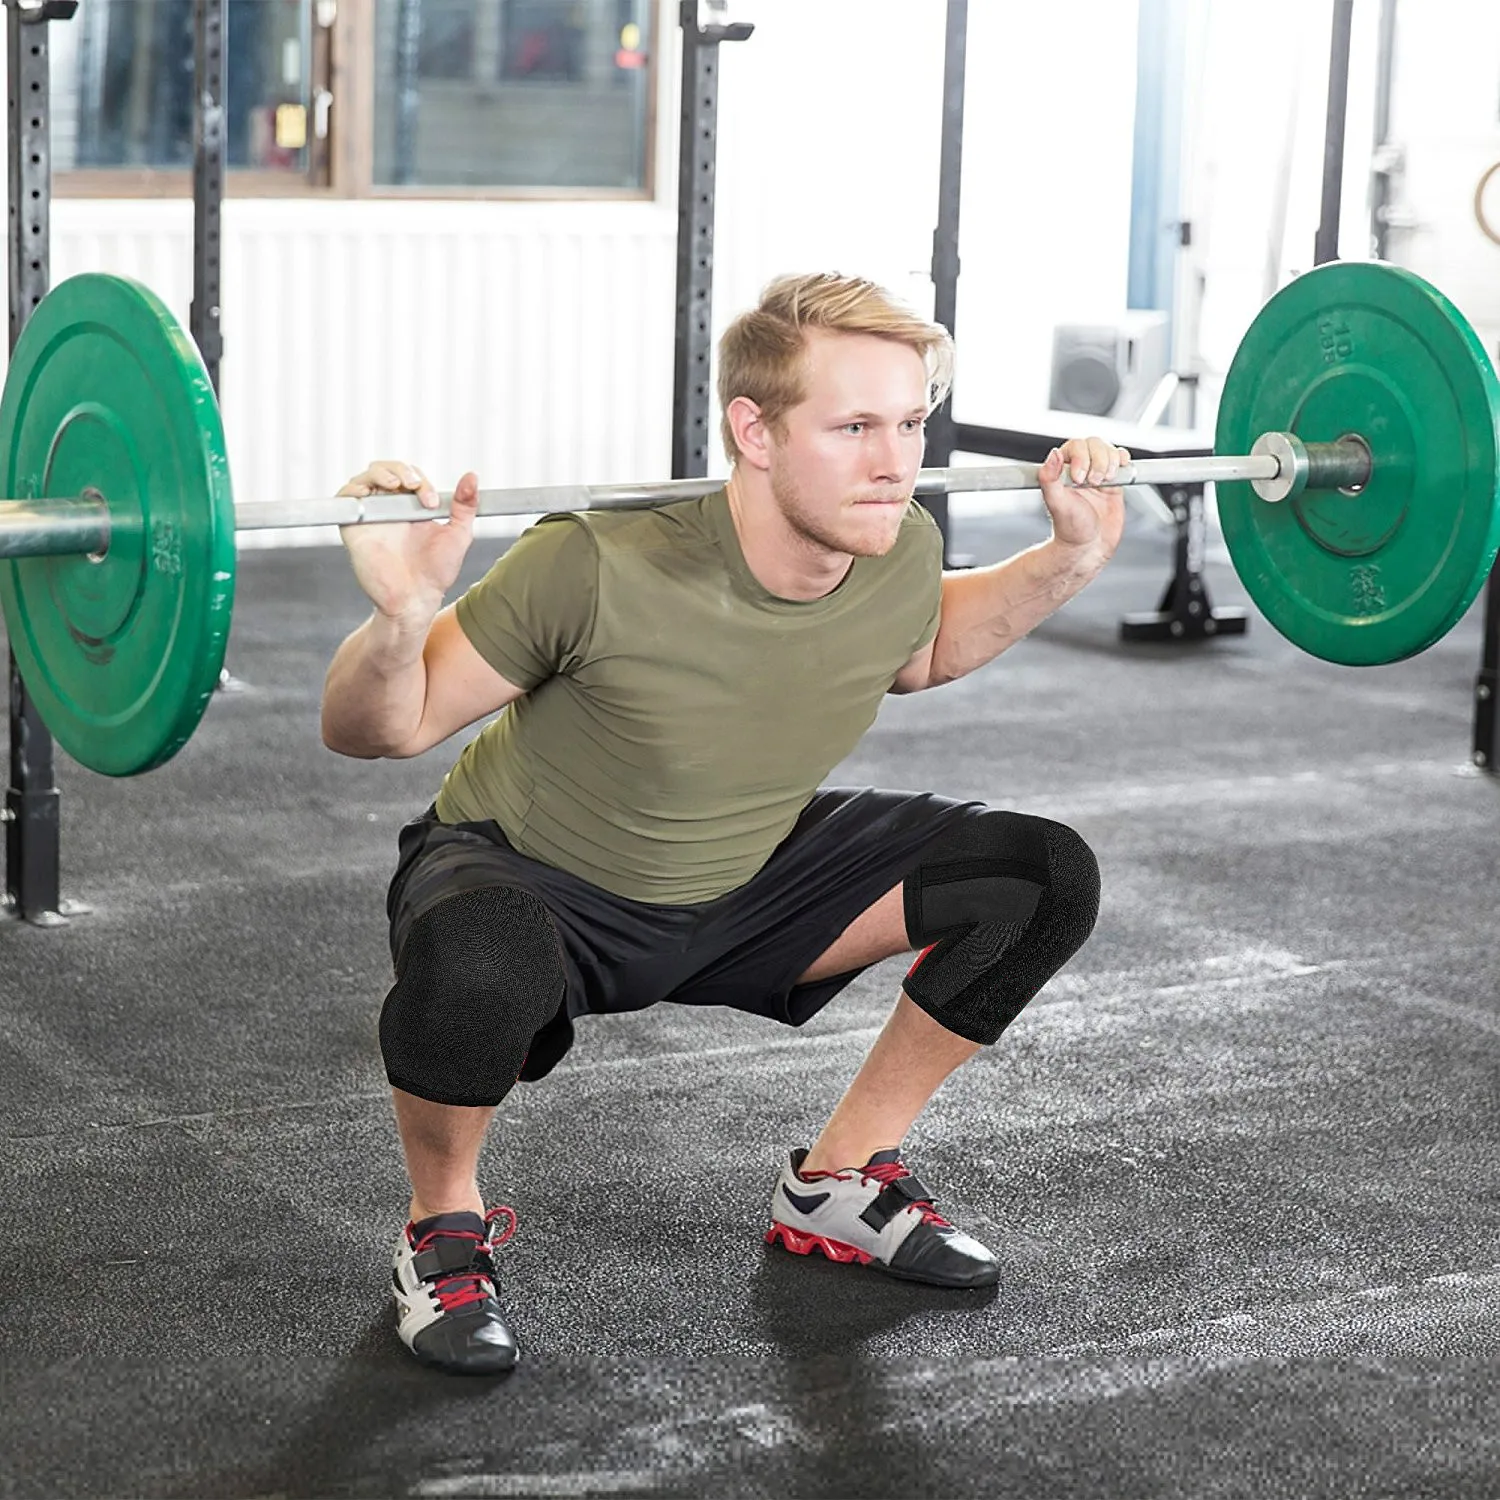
(90, 493)
(1358, 441)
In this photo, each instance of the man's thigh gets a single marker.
(877, 933)
(825, 905)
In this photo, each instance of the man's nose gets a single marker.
(889, 457)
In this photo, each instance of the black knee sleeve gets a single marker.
(479, 974)
(1000, 902)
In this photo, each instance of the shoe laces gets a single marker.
(476, 1283)
(887, 1172)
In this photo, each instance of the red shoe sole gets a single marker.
(805, 1244)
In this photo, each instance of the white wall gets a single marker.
(1045, 233)
(1446, 121)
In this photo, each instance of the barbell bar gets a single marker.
(1359, 397)
(1279, 464)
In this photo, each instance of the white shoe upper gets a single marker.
(872, 1209)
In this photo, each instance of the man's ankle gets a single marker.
(841, 1157)
(461, 1204)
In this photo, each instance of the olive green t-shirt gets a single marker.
(678, 717)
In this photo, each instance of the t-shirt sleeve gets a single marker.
(932, 555)
(530, 617)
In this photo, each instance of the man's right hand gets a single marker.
(406, 567)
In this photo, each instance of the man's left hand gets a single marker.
(1085, 517)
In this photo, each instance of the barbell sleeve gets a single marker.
(53, 528)
(1280, 465)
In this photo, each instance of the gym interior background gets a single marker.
(571, 294)
(1243, 1157)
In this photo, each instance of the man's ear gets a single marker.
(751, 435)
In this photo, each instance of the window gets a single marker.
(511, 93)
(363, 97)
(122, 85)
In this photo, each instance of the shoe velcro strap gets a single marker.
(892, 1199)
(445, 1255)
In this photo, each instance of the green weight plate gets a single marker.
(107, 395)
(1371, 350)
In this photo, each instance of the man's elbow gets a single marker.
(341, 744)
(342, 741)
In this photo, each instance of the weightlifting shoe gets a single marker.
(447, 1310)
(876, 1215)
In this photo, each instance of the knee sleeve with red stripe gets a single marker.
(999, 903)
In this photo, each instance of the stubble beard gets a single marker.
(817, 533)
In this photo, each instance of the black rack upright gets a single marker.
(33, 842)
(698, 144)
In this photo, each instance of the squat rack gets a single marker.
(32, 808)
(32, 803)
(32, 811)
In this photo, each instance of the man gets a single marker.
(646, 819)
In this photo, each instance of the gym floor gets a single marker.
(1239, 1160)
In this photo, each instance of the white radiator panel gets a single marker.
(531, 343)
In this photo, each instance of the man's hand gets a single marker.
(1085, 518)
(406, 567)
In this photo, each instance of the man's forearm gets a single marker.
(376, 688)
(986, 610)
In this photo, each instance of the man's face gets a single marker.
(843, 468)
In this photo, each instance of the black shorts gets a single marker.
(744, 949)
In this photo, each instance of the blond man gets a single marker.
(647, 818)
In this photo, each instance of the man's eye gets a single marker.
(854, 426)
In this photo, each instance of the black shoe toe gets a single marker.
(943, 1256)
(477, 1341)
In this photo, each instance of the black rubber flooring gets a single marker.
(1242, 1160)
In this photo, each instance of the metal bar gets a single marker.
(1486, 752)
(53, 528)
(345, 511)
(1381, 165)
(941, 430)
(210, 19)
(39, 528)
(1326, 247)
(698, 145)
(33, 813)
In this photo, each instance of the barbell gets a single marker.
(1358, 479)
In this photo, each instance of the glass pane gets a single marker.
(122, 85)
(512, 93)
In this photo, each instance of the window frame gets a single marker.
(348, 166)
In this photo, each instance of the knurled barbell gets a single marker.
(1359, 397)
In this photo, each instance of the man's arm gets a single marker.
(986, 610)
(396, 688)
(408, 677)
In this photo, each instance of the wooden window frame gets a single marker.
(350, 159)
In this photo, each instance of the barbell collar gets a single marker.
(1342, 465)
(1279, 461)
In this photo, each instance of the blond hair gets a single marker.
(762, 353)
